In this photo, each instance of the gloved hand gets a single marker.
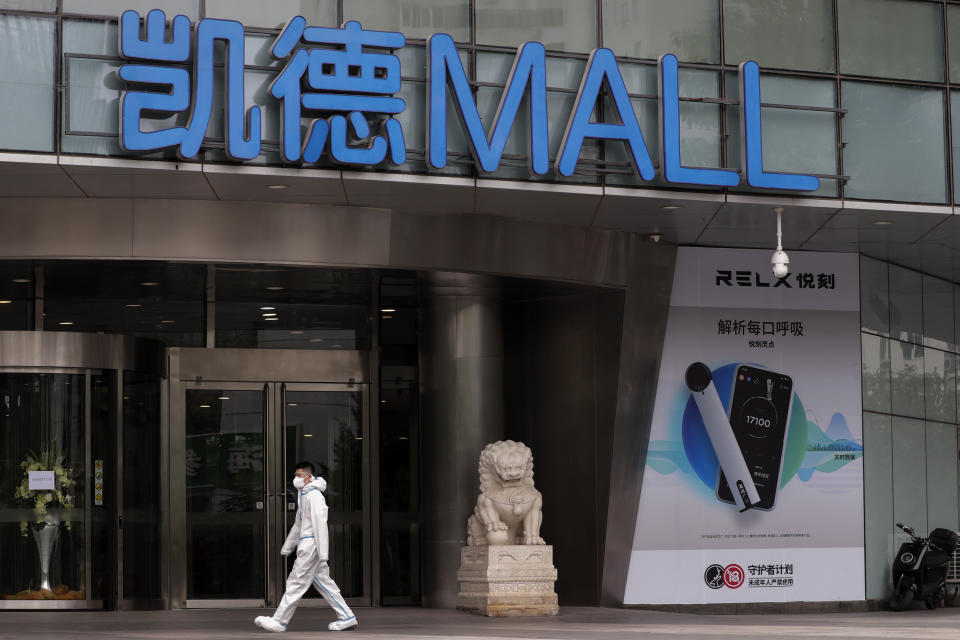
(285, 552)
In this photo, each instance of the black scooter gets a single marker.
(920, 568)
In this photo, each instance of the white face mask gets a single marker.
(298, 482)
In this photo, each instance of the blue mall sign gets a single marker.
(346, 80)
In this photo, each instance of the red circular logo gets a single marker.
(733, 575)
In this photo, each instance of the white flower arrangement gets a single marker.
(44, 500)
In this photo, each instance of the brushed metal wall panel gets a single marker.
(68, 349)
(644, 325)
(265, 365)
(65, 227)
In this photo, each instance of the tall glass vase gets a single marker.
(46, 538)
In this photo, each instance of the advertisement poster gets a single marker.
(759, 381)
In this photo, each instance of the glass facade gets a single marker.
(909, 351)
(870, 60)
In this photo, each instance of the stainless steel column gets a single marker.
(462, 393)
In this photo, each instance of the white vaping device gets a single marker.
(700, 382)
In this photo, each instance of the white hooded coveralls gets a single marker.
(308, 536)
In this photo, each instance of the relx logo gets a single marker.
(732, 278)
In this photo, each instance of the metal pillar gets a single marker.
(462, 394)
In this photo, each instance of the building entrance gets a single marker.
(239, 442)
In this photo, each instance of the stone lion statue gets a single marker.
(509, 509)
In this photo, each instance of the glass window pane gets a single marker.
(27, 83)
(225, 478)
(650, 28)
(937, 313)
(48, 6)
(955, 142)
(780, 35)
(891, 39)
(906, 304)
(561, 25)
(874, 296)
(413, 18)
(113, 8)
(142, 576)
(909, 476)
(953, 33)
(42, 531)
(16, 296)
(274, 14)
(794, 141)
(90, 36)
(895, 143)
(165, 302)
(939, 385)
(878, 502)
(281, 308)
(941, 467)
(875, 372)
(906, 379)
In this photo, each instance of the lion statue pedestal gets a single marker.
(507, 569)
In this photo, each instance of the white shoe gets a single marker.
(269, 624)
(340, 625)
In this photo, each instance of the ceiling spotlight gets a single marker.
(671, 207)
(269, 314)
(167, 321)
(6, 301)
(65, 324)
(21, 280)
(149, 284)
(274, 288)
(269, 319)
(387, 310)
(308, 435)
(276, 186)
(267, 308)
(204, 406)
(133, 305)
(779, 259)
(296, 332)
(655, 237)
(223, 398)
(882, 222)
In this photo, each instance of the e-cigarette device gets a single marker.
(760, 404)
(732, 465)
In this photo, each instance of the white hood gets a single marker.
(317, 483)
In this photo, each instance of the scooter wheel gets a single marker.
(900, 598)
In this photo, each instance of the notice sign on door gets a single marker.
(40, 480)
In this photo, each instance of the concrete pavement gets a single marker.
(574, 623)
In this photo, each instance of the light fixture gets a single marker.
(276, 186)
(149, 284)
(388, 310)
(267, 308)
(308, 435)
(383, 402)
(268, 315)
(402, 438)
(316, 339)
(275, 288)
(780, 260)
(223, 397)
(269, 319)
(359, 438)
(204, 406)
(882, 222)
(133, 305)
(167, 321)
(291, 404)
(337, 346)
(6, 301)
(387, 317)
(21, 280)
(671, 207)
(65, 324)
(296, 332)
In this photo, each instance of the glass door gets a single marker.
(326, 425)
(226, 488)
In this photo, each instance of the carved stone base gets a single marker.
(508, 580)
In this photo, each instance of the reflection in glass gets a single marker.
(27, 80)
(561, 25)
(939, 385)
(103, 449)
(941, 465)
(937, 313)
(325, 428)
(909, 476)
(895, 143)
(113, 8)
(226, 520)
(878, 502)
(650, 28)
(891, 39)
(42, 483)
(906, 304)
(874, 296)
(875, 376)
(906, 379)
(275, 13)
(141, 497)
(779, 35)
(47, 6)
(413, 18)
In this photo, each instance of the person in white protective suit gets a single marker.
(308, 536)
